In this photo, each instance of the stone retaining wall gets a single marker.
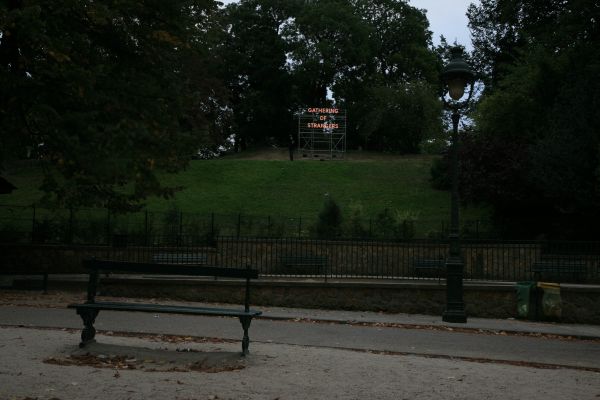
(579, 304)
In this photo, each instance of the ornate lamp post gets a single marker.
(456, 76)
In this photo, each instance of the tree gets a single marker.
(535, 153)
(255, 70)
(369, 54)
(391, 96)
(399, 118)
(327, 39)
(105, 93)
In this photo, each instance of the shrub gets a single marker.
(354, 226)
(404, 227)
(329, 223)
(396, 225)
(440, 174)
(384, 224)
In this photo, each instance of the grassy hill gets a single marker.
(272, 186)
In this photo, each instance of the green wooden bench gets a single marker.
(558, 268)
(305, 264)
(180, 258)
(435, 266)
(15, 276)
(90, 309)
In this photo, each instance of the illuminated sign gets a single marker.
(322, 118)
(317, 110)
(322, 132)
(316, 125)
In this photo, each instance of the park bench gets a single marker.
(90, 309)
(305, 264)
(21, 272)
(428, 266)
(180, 258)
(558, 268)
(14, 276)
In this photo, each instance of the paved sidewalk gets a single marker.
(416, 320)
(295, 354)
(506, 340)
(582, 331)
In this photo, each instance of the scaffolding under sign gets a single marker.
(322, 132)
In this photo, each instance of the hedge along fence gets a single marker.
(27, 224)
(368, 259)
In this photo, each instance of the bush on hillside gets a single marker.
(440, 174)
(329, 223)
(354, 227)
(396, 225)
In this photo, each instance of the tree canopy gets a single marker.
(535, 152)
(371, 57)
(106, 93)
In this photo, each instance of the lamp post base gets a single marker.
(455, 307)
(457, 315)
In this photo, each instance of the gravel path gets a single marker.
(28, 370)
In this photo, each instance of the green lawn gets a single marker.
(281, 188)
(298, 188)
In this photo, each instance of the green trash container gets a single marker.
(526, 300)
(551, 307)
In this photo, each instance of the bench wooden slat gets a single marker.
(558, 268)
(435, 265)
(106, 305)
(548, 266)
(169, 269)
(180, 258)
(304, 261)
(429, 264)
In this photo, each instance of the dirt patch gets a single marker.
(351, 155)
(117, 357)
(29, 298)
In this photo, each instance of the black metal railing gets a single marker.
(34, 224)
(370, 259)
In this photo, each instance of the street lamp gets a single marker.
(456, 76)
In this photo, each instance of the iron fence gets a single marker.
(27, 224)
(375, 259)
(282, 247)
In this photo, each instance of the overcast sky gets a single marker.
(447, 17)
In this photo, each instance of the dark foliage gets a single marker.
(329, 223)
(535, 155)
(106, 93)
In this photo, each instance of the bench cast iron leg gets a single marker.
(88, 333)
(246, 340)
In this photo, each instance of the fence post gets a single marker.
(33, 226)
(70, 231)
(146, 228)
(180, 237)
(108, 227)
(212, 225)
